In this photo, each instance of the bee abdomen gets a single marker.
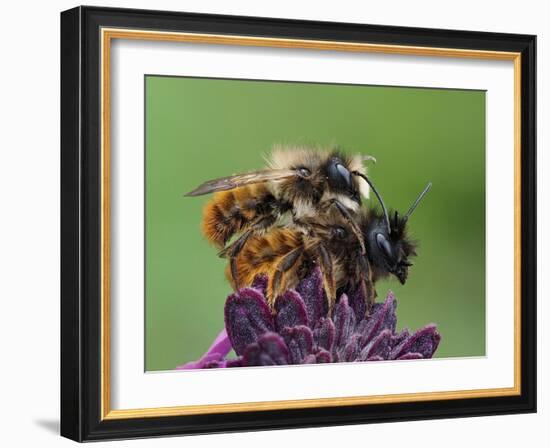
(262, 255)
(230, 212)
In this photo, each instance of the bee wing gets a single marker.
(238, 180)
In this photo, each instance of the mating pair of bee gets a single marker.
(305, 210)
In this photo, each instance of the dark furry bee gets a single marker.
(286, 254)
(299, 185)
(388, 244)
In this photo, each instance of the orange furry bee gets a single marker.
(286, 254)
(300, 184)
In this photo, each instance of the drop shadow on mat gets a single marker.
(49, 425)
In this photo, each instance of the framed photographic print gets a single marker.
(274, 223)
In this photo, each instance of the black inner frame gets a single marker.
(80, 224)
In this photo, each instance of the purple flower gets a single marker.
(299, 331)
(215, 355)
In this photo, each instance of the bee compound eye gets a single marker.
(339, 176)
(344, 173)
(384, 245)
(304, 172)
(340, 233)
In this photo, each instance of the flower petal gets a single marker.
(313, 294)
(323, 357)
(236, 362)
(396, 339)
(270, 350)
(203, 362)
(215, 364)
(425, 341)
(379, 347)
(299, 341)
(324, 334)
(351, 350)
(217, 351)
(221, 344)
(260, 283)
(358, 301)
(344, 321)
(247, 317)
(382, 318)
(291, 310)
(411, 356)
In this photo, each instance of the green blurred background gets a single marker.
(199, 129)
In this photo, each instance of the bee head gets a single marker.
(321, 175)
(340, 172)
(388, 246)
(339, 178)
(389, 252)
(307, 186)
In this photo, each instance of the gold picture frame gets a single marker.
(108, 30)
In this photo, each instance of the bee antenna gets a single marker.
(384, 209)
(366, 158)
(417, 201)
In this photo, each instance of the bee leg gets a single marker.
(370, 296)
(366, 276)
(235, 248)
(233, 251)
(234, 272)
(351, 222)
(287, 263)
(325, 263)
(258, 226)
